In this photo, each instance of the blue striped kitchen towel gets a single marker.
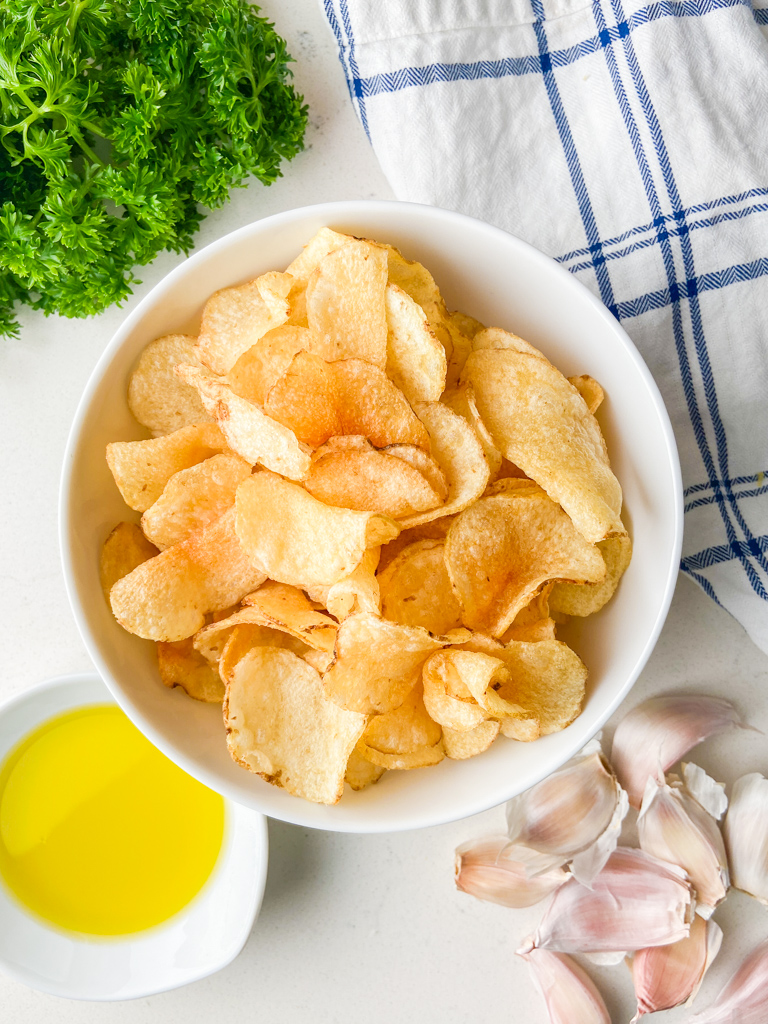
(629, 140)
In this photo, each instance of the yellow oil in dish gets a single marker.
(99, 832)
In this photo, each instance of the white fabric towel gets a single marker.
(628, 140)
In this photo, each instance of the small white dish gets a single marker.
(201, 939)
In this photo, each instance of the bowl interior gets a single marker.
(501, 281)
(202, 938)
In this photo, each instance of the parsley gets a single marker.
(118, 120)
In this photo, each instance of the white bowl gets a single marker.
(201, 939)
(501, 281)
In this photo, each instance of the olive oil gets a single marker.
(99, 832)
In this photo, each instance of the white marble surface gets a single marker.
(353, 927)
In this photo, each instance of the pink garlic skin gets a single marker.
(493, 869)
(569, 993)
(746, 835)
(675, 828)
(744, 1000)
(657, 733)
(667, 976)
(635, 901)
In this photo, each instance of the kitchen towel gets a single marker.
(628, 140)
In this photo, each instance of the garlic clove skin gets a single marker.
(668, 976)
(588, 864)
(657, 733)
(569, 993)
(570, 811)
(746, 835)
(675, 828)
(495, 870)
(635, 901)
(703, 789)
(744, 1000)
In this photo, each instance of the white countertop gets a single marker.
(352, 927)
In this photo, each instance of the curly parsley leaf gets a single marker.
(118, 119)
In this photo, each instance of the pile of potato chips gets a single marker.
(362, 516)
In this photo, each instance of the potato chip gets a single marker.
(370, 481)
(377, 663)
(253, 435)
(156, 396)
(234, 319)
(238, 641)
(424, 463)
(194, 497)
(462, 401)
(589, 390)
(547, 679)
(211, 640)
(314, 252)
(457, 450)
(358, 592)
(496, 338)
(168, 597)
(262, 366)
(460, 744)
(436, 529)
(281, 725)
(416, 589)
(290, 610)
(539, 421)
(585, 599)
(404, 730)
(421, 758)
(124, 549)
(345, 304)
(142, 468)
(319, 400)
(297, 538)
(360, 773)
(181, 665)
(465, 324)
(500, 552)
(531, 632)
(416, 361)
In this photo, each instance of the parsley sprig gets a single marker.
(118, 120)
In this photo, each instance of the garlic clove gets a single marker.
(710, 794)
(675, 828)
(635, 901)
(494, 869)
(569, 993)
(667, 976)
(570, 811)
(746, 835)
(744, 1000)
(657, 733)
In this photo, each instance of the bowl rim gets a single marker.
(32, 696)
(347, 210)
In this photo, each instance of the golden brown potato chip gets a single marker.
(572, 599)
(194, 497)
(377, 663)
(437, 529)
(370, 481)
(416, 589)
(262, 366)
(253, 435)
(289, 609)
(345, 303)
(358, 592)
(497, 338)
(212, 639)
(281, 725)
(236, 318)
(459, 453)
(297, 538)
(464, 323)
(460, 745)
(404, 730)
(540, 422)
(181, 665)
(360, 772)
(421, 758)
(425, 464)
(531, 632)
(124, 549)
(500, 552)
(314, 252)
(319, 400)
(168, 597)
(462, 401)
(142, 468)
(589, 390)
(547, 679)
(460, 690)
(416, 360)
(156, 396)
